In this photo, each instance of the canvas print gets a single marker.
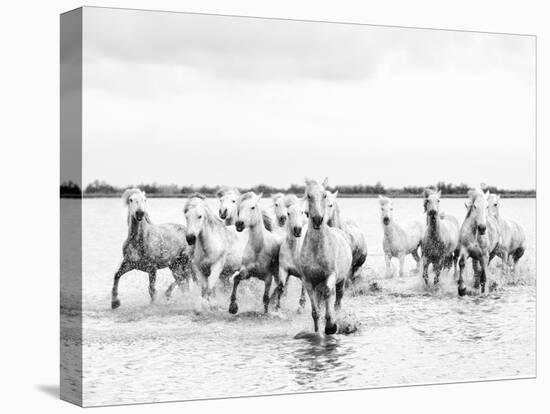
(255, 206)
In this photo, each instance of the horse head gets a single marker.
(249, 213)
(477, 209)
(280, 208)
(316, 197)
(493, 202)
(136, 201)
(386, 209)
(331, 207)
(195, 212)
(228, 202)
(297, 218)
(432, 200)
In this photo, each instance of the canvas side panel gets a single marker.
(71, 207)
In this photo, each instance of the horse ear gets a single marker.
(259, 197)
(335, 193)
(438, 193)
(325, 182)
(467, 205)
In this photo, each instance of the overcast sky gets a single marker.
(193, 99)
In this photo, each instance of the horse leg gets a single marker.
(437, 270)
(279, 289)
(339, 295)
(215, 272)
(125, 267)
(302, 301)
(152, 282)
(484, 264)
(416, 258)
(328, 292)
(389, 272)
(477, 272)
(516, 255)
(425, 265)
(455, 260)
(401, 265)
(268, 279)
(505, 263)
(461, 266)
(233, 307)
(314, 305)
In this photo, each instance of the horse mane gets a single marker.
(246, 196)
(268, 222)
(383, 200)
(222, 191)
(473, 194)
(128, 193)
(290, 199)
(197, 199)
(132, 223)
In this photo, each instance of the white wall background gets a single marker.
(30, 207)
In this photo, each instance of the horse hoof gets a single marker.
(115, 303)
(461, 291)
(233, 308)
(331, 329)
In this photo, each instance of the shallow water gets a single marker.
(407, 335)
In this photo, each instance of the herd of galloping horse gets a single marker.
(307, 238)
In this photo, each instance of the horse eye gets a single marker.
(330, 205)
(253, 207)
(233, 201)
(200, 217)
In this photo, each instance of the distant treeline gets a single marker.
(99, 188)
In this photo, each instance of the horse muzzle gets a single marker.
(139, 215)
(282, 221)
(317, 221)
(297, 231)
(239, 225)
(223, 214)
(191, 239)
(482, 228)
(432, 214)
(386, 221)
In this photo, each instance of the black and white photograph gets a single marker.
(273, 206)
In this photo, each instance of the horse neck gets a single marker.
(208, 229)
(257, 233)
(434, 226)
(138, 228)
(316, 238)
(230, 221)
(390, 230)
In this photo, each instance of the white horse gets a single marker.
(218, 249)
(261, 254)
(399, 240)
(354, 235)
(289, 253)
(228, 198)
(479, 239)
(440, 240)
(151, 247)
(512, 242)
(280, 206)
(325, 258)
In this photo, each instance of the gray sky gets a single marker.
(192, 99)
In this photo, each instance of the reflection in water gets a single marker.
(319, 359)
(183, 350)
